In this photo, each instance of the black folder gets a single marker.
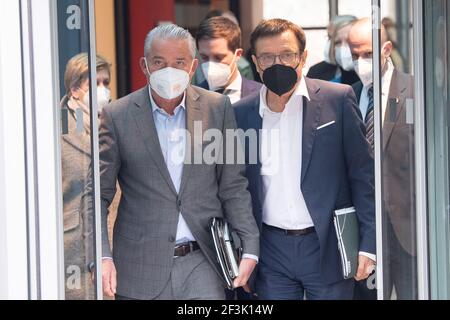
(228, 250)
(347, 232)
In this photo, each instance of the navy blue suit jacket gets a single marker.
(249, 87)
(337, 166)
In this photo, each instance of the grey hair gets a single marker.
(169, 31)
(339, 22)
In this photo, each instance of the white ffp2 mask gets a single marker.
(103, 97)
(363, 68)
(217, 74)
(168, 83)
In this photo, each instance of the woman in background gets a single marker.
(338, 64)
(76, 161)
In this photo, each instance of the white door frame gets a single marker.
(13, 213)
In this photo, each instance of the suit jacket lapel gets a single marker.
(396, 99)
(255, 122)
(143, 115)
(311, 118)
(193, 114)
(357, 88)
(246, 88)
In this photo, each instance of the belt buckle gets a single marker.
(186, 249)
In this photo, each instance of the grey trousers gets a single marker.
(192, 278)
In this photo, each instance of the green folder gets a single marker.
(347, 232)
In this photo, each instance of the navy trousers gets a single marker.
(289, 269)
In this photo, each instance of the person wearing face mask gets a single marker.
(338, 65)
(75, 162)
(313, 159)
(163, 249)
(397, 149)
(219, 46)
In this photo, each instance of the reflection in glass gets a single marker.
(397, 150)
(76, 162)
(399, 216)
(398, 157)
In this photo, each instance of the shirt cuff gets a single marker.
(368, 255)
(250, 256)
(107, 258)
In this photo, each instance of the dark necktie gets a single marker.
(369, 119)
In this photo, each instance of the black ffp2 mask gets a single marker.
(280, 79)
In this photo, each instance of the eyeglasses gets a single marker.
(287, 58)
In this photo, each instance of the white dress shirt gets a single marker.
(234, 90)
(385, 87)
(281, 154)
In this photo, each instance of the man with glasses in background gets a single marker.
(313, 159)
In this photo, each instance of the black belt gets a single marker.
(185, 248)
(302, 232)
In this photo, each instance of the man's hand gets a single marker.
(365, 268)
(245, 271)
(109, 277)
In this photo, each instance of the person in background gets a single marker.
(338, 64)
(75, 161)
(398, 160)
(313, 159)
(244, 66)
(219, 45)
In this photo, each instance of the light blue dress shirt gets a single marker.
(172, 139)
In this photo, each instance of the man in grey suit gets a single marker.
(162, 246)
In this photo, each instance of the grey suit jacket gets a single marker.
(146, 226)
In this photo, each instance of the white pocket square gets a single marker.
(326, 125)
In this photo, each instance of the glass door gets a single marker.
(78, 67)
(437, 53)
(396, 146)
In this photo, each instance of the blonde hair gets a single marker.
(77, 71)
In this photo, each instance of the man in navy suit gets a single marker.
(220, 47)
(312, 159)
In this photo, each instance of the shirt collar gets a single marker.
(301, 91)
(236, 85)
(156, 108)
